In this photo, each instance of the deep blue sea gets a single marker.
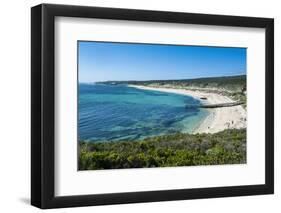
(119, 112)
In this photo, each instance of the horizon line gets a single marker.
(241, 74)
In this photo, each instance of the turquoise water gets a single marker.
(119, 112)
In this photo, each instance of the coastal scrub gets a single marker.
(226, 147)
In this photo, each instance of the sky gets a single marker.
(108, 61)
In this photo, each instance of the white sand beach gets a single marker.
(221, 118)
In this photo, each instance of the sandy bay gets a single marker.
(221, 118)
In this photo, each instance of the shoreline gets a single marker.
(219, 119)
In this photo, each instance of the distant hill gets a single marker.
(225, 83)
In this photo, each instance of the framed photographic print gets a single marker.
(140, 106)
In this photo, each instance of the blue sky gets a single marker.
(106, 61)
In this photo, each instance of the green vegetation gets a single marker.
(231, 86)
(226, 147)
(227, 83)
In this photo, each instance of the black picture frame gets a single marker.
(43, 102)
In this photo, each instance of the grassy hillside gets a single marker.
(226, 147)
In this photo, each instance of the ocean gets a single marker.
(121, 113)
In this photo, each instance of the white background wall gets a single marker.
(15, 105)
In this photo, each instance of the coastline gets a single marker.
(219, 119)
